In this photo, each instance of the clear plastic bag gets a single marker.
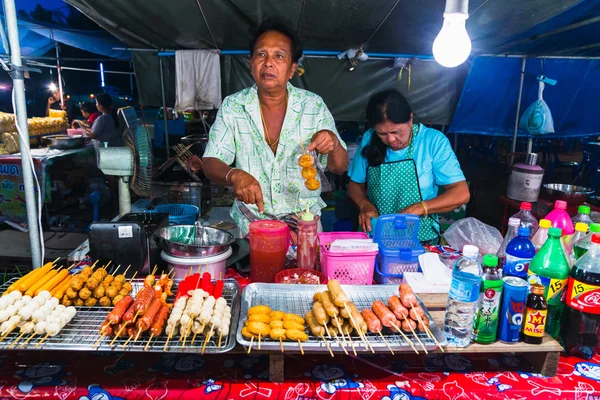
(472, 231)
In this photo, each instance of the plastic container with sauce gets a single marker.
(269, 242)
(307, 239)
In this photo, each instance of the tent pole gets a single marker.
(60, 87)
(164, 103)
(514, 141)
(21, 116)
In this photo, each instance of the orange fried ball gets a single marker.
(306, 161)
(309, 172)
(312, 184)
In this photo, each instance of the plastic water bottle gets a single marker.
(581, 230)
(582, 245)
(541, 235)
(511, 233)
(463, 298)
(527, 218)
(583, 215)
(519, 253)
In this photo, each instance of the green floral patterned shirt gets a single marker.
(238, 136)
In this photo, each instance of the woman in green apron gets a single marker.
(400, 165)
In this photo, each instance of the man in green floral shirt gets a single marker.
(265, 129)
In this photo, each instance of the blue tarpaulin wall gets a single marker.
(488, 102)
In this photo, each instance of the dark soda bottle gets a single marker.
(581, 327)
(534, 319)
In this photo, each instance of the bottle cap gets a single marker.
(596, 238)
(470, 251)
(584, 210)
(490, 260)
(526, 206)
(560, 205)
(537, 289)
(546, 224)
(555, 232)
(307, 215)
(523, 231)
(512, 221)
(581, 227)
(595, 228)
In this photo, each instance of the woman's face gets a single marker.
(272, 65)
(395, 136)
(99, 107)
(85, 114)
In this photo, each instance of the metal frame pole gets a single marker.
(21, 119)
(60, 86)
(514, 141)
(164, 102)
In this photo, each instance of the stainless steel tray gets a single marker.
(298, 299)
(82, 332)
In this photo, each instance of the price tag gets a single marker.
(125, 232)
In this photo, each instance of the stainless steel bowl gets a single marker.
(178, 241)
(573, 195)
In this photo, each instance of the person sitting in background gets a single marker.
(105, 128)
(55, 104)
(89, 113)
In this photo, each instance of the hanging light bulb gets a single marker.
(452, 46)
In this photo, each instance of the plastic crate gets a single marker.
(348, 268)
(179, 214)
(399, 247)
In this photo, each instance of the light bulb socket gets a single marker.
(457, 7)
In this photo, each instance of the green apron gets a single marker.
(393, 186)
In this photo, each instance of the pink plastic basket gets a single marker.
(347, 268)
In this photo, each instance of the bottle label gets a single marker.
(464, 291)
(534, 322)
(555, 289)
(516, 266)
(486, 321)
(583, 297)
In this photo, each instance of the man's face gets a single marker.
(56, 95)
(271, 64)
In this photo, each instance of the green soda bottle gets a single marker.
(550, 268)
(485, 323)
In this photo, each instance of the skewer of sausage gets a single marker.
(388, 319)
(374, 325)
(115, 316)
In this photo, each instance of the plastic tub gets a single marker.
(348, 268)
(216, 265)
(179, 214)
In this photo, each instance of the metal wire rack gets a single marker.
(298, 299)
(82, 333)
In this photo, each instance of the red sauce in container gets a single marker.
(269, 242)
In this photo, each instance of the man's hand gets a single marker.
(247, 189)
(324, 142)
(51, 100)
(367, 212)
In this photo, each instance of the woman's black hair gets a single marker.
(105, 101)
(389, 105)
(282, 26)
(88, 107)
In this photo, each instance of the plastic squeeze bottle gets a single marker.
(581, 247)
(583, 215)
(527, 218)
(541, 235)
(519, 253)
(550, 268)
(307, 239)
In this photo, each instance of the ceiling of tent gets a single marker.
(506, 26)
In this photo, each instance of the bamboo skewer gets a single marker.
(301, 349)
(340, 344)
(94, 264)
(386, 342)
(71, 267)
(168, 338)
(107, 264)
(357, 328)
(410, 342)
(126, 269)
(98, 341)
(210, 333)
(351, 342)
(149, 340)
(193, 338)
(42, 341)
(16, 340)
(117, 335)
(327, 330)
(12, 328)
(221, 337)
(259, 341)
(134, 275)
(54, 262)
(417, 337)
(251, 341)
(280, 344)
(327, 344)
(154, 269)
(431, 336)
(339, 326)
(27, 341)
(116, 269)
(126, 342)
(139, 332)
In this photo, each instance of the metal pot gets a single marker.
(573, 195)
(172, 240)
(64, 142)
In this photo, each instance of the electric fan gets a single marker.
(132, 163)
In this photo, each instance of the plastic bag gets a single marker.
(537, 119)
(472, 231)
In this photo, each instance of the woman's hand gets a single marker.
(367, 211)
(247, 189)
(324, 142)
(416, 209)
